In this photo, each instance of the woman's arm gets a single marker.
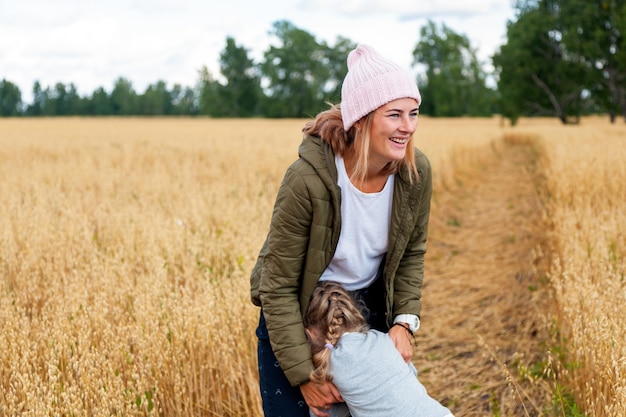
(320, 397)
(409, 275)
(279, 286)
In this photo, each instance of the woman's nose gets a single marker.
(408, 124)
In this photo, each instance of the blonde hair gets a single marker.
(331, 313)
(328, 125)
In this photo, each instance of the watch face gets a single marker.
(416, 324)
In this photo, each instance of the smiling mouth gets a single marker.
(398, 140)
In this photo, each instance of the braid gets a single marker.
(331, 313)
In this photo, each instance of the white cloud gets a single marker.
(432, 8)
(93, 43)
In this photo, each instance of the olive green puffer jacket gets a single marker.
(303, 235)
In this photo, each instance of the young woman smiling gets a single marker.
(353, 208)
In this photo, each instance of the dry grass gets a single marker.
(484, 308)
(126, 245)
(586, 186)
(125, 252)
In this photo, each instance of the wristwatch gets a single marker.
(411, 319)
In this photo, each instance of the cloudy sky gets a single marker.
(92, 43)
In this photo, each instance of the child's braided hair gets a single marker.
(332, 312)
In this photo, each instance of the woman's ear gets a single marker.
(309, 333)
(314, 336)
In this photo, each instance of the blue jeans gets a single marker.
(280, 399)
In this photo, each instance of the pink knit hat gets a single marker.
(371, 82)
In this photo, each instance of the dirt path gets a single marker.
(483, 315)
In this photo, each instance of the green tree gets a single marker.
(594, 35)
(124, 99)
(184, 100)
(208, 102)
(536, 75)
(10, 99)
(100, 103)
(241, 93)
(156, 100)
(49, 101)
(39, 101)
(62, 100)
(296, 73)
(335, 60)
(454, 83)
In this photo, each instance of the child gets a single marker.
(364, 364)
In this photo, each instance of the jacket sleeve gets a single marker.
(410, 273)
(280, 277)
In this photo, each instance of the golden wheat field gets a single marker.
(126, 246)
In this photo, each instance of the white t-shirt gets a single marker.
(364, 238)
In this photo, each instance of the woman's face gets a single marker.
(392, 127)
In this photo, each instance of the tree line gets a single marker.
(562, 58)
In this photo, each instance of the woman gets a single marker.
(354, 209)
(363, 363)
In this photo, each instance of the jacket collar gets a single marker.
(320, 156)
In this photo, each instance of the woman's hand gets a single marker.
(402, 339)
(320, 398)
